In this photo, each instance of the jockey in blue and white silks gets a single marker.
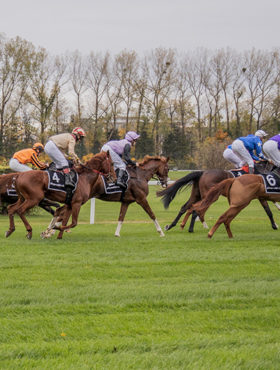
(271, 149)
(120, 153)
(231, 157)
(245, 146)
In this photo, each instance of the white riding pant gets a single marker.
(270, 147)
(56, 155)
(231, 157)
(239, 149)
(16, 166)
(118, 162)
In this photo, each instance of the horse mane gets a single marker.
(148, 158)
(92, 163)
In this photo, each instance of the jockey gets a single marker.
(120, 154)
(244, 148)
(272, 149)
(58, 144)
(21, 158)
(231, 157)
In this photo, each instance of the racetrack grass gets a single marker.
(93, 301)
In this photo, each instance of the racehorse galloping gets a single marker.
(239, 191)
(201, 182)
(32, 187)
(6, 184)
(137, 191)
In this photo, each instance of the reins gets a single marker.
(96, 171)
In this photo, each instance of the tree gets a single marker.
(14, 60)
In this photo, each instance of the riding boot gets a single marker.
(251, 170)
(120, 181)
(68, 180)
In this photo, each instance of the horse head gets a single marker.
(162, 172)
(159, 167)
(103, 164)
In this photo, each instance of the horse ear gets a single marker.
(167, 159)
(108, 154)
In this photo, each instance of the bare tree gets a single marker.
(78, 75)
(46, 74)
(14, 61)
(160, 66)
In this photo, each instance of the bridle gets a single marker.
(106, 175)
(162, 180)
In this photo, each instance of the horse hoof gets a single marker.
(117, 235)
(29, 236)
(210, 236)
(8, 233)
(166, 227)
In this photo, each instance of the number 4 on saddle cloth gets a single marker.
(57, 180)
(112, 188)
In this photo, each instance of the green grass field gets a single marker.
(93, 301)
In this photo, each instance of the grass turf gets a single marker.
(93, 301)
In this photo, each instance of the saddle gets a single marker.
(112, 188)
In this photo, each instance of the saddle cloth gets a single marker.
(112, 188)
(11, 192)
(57, 180)
(271, 183)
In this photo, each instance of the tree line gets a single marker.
(180, 103)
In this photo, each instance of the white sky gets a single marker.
(142, 25)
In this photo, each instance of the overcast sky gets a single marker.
(142, 25)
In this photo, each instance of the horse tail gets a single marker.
(170, 192)
(222, 188)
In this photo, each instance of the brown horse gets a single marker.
(201, 182)
(137, 191)
(32, 187)
(239, 191)
(9, 197)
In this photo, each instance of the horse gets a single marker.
(239, 192)
(201, 182)
(137, 191)
(7, 183)
(32, 187)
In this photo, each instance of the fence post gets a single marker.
(92, 210)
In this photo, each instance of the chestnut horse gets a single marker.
(239, 191)
(201, 182)
(32, 187)
(6, 183)
(137, 191)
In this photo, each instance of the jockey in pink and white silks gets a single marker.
(231, 157)
(120, 153)
(244, 147)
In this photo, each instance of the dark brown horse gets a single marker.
(137, 191)
(32, 187)
(239, 191)
(9, 197)
(201, 182)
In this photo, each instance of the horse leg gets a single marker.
(12, 208)
(177, 218)
(145, 205)
(269, 213)
(75, 214)
(277, 205)
(185, 219)
(193, 219)
(226, 219)
(64, 220)
(122, 214)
